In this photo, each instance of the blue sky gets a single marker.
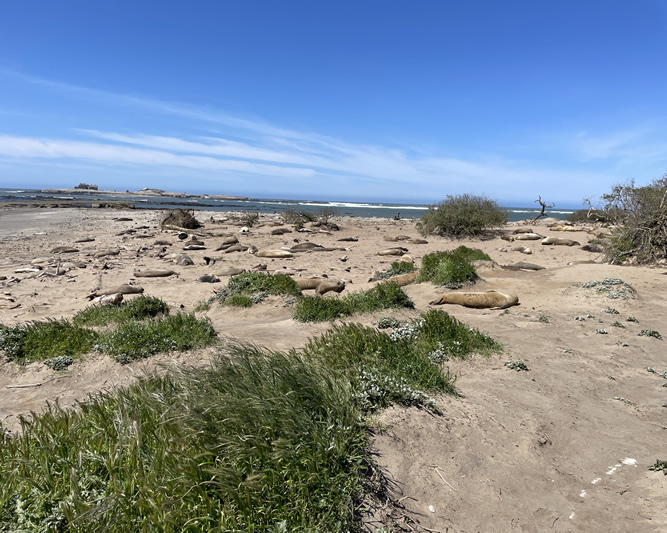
(349, 100)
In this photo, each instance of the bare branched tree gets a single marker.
(544, 208)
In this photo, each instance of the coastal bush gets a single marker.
(397, 268)
(138, 308)
(461, 216)
(182, 218)
(37, 341)
(239, 300)
(384, 295)
(641, 216)
(256, 286)
(297, 217)
(136, 340)
(453, 269)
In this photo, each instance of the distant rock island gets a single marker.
(84, 188)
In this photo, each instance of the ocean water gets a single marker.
(358, 209)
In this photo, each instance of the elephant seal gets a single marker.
(105, 253)
(306, 284)
(594, 248)
(329, 285)
(305, 246)
(231, 271)
(557, 241)
(522, 249)
(184, 260)
(234, 248)
(110, 299)
(478, 300)
(161, 242)
(521, 265)
(280, 231)
(85, 239)
(282, 254)
(64, 250)
(528, 237)
(208, 278)
(522, 230)
(393, 251)
(396, 238)
(121, 289)
(194, 247)
(404, 279)
(348, 239)
(417, 241)
(154, 273)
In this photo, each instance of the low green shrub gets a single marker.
(136, 340)
(37, 341)
(182, 218)
(239, 300)
(138, 308)
(464, 215)
(256, 286)
(452, 269)
(397, 268)
(385, 295)
(297, 217)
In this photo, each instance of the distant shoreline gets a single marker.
(157, 193)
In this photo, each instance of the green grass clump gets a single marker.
(258, 285)
(659, 466)
(37, 341)
(397, 268)
(239, 300)
(464, 215)
(136, 340)
(517, 365)
(256, 441)
(384, 295)
(650, 333)
(452, 269)
(138, 308)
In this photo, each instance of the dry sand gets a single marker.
(553, 449)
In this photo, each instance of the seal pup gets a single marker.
(208, 278)
(281, 254)
(231, 271)
(594, 248)
(528, 237)
(403, 279)
(393, 251)
(110, 299)
(64, 250)
(184, 260)
(521, 265)
(105, 253)
(280, 231)
(121, 289)
(478, 300)
(557, 241)
(522, 249)
(154, 273)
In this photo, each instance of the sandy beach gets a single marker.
(565, 446)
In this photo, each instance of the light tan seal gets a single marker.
(404, 279)
(393, 251)
(557, 241)
(153, 273)
(321, 285)
(281, 254)
(121, 289)
(478, 300)
(528, 237)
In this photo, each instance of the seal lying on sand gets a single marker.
(521, 265)
(274, 253)
(208, 278)
(121, 289)
(321, 285)
(557, 241)
(478, 300)
(393, 251)
(403, 279)
(154, 273)
(231, 271)
(528, 237)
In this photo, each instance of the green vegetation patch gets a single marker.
(613, 288)
(385, 295)
(138, 308)
(517, 365)
(38, 341)
(397, 268)
(136, 340)
(257, 441)
(257, 286)
(453, 269)
(650, 333)
(460, 216)
(659, 466)
(239, 300)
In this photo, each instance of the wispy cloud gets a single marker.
(287, 158)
